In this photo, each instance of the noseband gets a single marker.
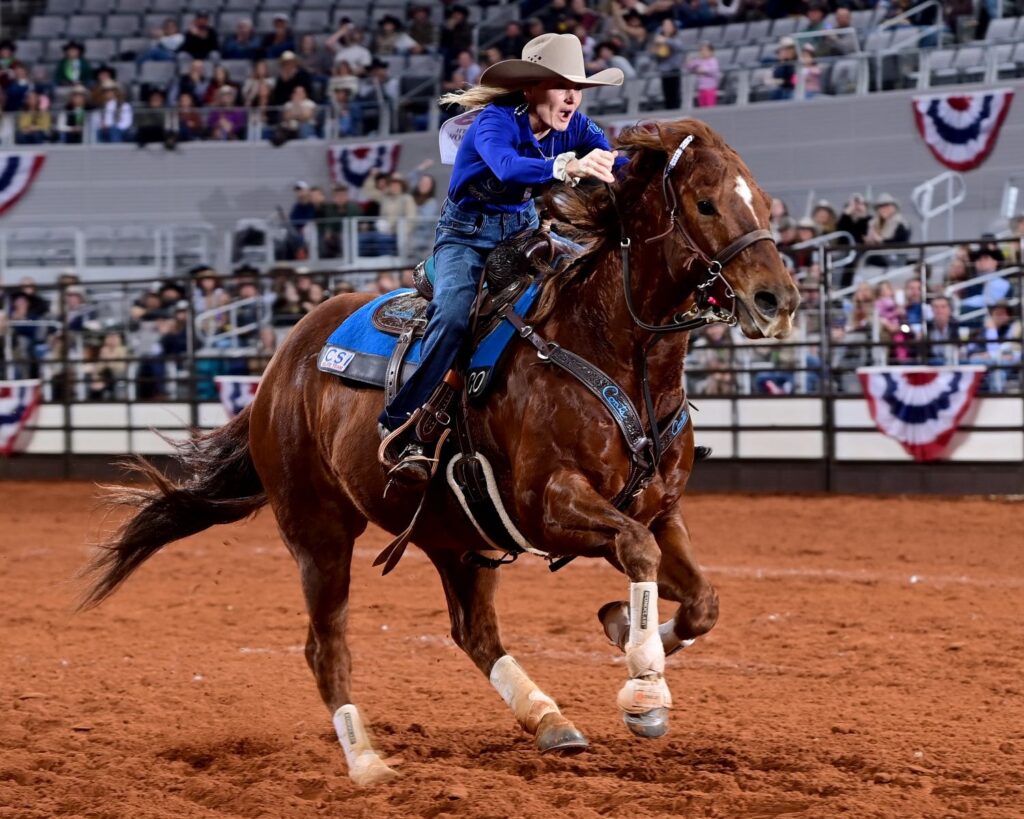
(706, 308)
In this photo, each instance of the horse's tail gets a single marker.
(222, 486)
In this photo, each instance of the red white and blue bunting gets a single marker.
(17, 172)
(351, 164)
(961, 129)
(236, 391)
(921, 407)
(18, 403)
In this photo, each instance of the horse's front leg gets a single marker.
(680, 579)
(470, 593)
(575, 515)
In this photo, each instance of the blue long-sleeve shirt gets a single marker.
(500, 161)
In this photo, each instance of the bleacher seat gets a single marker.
(879, 40)
(229, 20)
(132, 45)
(122, 25)
(171, 8)
(784, 27)
(1001, 30)
(843, 77)
(709, 34)
(239, 5)
(238, 70)
(100, 7)
(156, 73)
(44, 26)
(940, 66)
(758, 30)
(970, 63)
(132, 6)
(82, 26)
(62, 7)
(152, 21)
(265, 20)
(358, 15)
(127, 71)
(31, 51)
(53, 50)
(312, 21)
(101, 49)
(747, 56)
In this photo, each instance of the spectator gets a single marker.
(457, 34)
(71, 121)
(190, 121)
(386, 282)
(391, 39)
(584, 16)
(151, 120)
(201, 40)
(243, 44)
(332, 225)
(106, 376)
(467, 67)
(73, 69)
(195, 83)
(397, 209)
(316, 58)
(260, 76)
(887, 227)
(347, 44)
(840, 42)
(512, 39)
(8, 49)
(302, 213)
(281, 39)
(207, 291)
(291, 76)
(810, 71)
(997, 345)
(220, 78)
(987, 260)
(114, 119)
(287, 308)
(166, 42)
(668, 51)
(226, 120)
(428, 208)
(943, 334)
(816, 11)
(607, 54)
(104, 74)
(262, 115)
(377, 77)
(299, 115)
(33, 124)
(422, 28)
(17, 88)
(824, 216)
(630, 27)
(694, 13)
(706, 67)
(711, 359)
(784, 72)
(343, 76)
(347, 115)
(915, 311)
(856, 218)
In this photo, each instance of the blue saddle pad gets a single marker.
(359, 351)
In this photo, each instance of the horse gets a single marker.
(684, 226)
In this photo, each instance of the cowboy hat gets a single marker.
(886, 199)
(548, 57)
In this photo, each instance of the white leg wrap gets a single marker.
(639, 696)
(645, 654)
(529, 704)
(365, 767)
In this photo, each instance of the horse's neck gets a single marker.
(591, 319)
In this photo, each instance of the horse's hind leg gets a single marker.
(679, 579)
(322, 546)
(470, 592)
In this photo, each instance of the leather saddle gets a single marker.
(509, 269)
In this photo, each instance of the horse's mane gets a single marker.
(586, 213)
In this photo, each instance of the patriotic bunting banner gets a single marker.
(236, 391)
(18, 403)
(961, 129)
(17, 172)
(921, 407)
(351, 164)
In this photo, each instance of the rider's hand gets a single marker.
(598, 164)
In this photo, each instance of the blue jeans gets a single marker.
(461, 244)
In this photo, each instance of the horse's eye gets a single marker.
(706, 207)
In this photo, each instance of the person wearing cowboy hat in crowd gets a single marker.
(392, 39)
(887, 227)
(73, 69)
(784, 72)
(201, 39)
(528, 133)
(281, 39)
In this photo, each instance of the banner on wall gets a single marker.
(236, 391)
(17, 173)
(351, 164)
(961, 129)
(18, 403)
(921, 407)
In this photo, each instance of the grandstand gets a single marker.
(106, 228)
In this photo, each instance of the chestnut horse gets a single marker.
(308, 444)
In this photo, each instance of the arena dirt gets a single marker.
(869, 661)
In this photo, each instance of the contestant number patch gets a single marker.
(335, 359)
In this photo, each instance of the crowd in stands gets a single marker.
(283, 84)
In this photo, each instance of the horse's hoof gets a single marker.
(614, 619)
(369, 769)
(650, 724)
(556, 735)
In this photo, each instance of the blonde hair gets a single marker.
(477, 96)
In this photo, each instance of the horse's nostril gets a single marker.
(766, 303)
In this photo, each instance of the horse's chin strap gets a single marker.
(706, 308)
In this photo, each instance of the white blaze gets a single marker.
(744, 193)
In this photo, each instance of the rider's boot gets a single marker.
(411, 453)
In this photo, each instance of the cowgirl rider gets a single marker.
(528, 133)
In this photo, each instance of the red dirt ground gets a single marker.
(869, 661)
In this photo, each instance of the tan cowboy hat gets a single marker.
(548, 57)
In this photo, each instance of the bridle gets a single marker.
(706, 308)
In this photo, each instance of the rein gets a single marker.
(706, 309)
